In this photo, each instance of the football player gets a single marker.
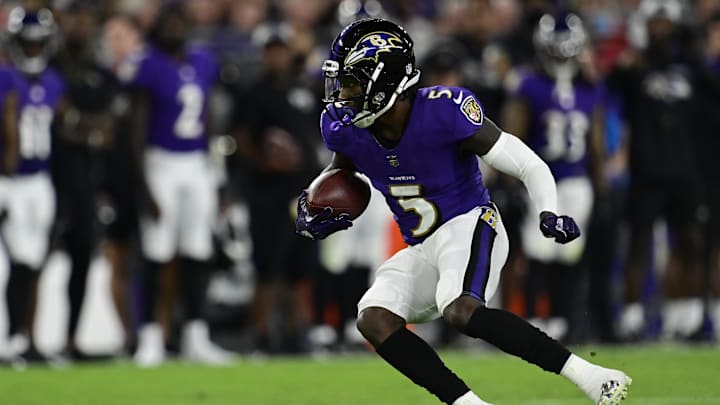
(172, 85)
(8, 137)
(92, 91)
(558, 113)
(31, 197)
(420, 148)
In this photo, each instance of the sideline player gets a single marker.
(558, 113)
(171, 84)
(31, 196)
(419, 147)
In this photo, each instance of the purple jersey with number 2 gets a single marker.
(178, 93)
(424, 179)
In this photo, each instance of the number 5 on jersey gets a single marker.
(409, 196)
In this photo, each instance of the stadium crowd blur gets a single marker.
(650, 267)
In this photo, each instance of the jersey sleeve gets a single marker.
(518, 84)
(7, 81)
(136, 72)
(469, 116)
(208, 63)
(335, 136)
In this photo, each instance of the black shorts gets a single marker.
(677, 201)
(123, 225)
(278, 253)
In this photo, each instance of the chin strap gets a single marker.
(365, 118)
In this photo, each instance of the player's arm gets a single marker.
(508, 154)
(10, 133)
(140, 121)
(339, 161)
(515, 116)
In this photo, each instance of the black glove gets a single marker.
(321, 225)
(562, 228)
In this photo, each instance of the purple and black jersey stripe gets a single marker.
(477, 271)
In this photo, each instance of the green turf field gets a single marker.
(663, 375)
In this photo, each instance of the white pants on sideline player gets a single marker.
(184, 188)
(4, 190)
(420, 281)
(30, 203)
(575, 198)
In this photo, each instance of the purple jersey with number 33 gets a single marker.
(178, 94)
(424, 179)
(560, 122)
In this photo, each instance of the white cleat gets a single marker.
(151, 347)
(614, 391)
(197, 347)
(469, 398)
(608, 386)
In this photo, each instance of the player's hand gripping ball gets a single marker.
(561, 228)
(330, 203)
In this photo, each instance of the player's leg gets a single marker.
(117, 252)
(198, 214)
(567, 280)
(684, 283)
(540, 253)
(79, 244)
(158, 243)
(645, 203)
(404, 290)
(120, 247)
(269, 255)
(709, 262)
(31, 209)
(468, 279)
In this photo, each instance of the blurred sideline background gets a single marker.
(648, 271)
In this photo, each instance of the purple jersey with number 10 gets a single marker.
(424, 179)
(178, 94)
(560, 121)
(38, 100)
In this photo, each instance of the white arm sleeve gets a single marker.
(511, 156)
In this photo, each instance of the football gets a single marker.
(341, 189)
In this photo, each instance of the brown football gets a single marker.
(341, 189)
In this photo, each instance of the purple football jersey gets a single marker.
(38, 100)
(560, 121)
(7, 84)
(178, 94)
(424, 179)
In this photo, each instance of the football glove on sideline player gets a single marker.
(561, 228)
(318, 226)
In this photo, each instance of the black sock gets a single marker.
(194, 281)
(150, 285)
(76, 288)
(414, 358)
(515, 336)
(19, 293)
